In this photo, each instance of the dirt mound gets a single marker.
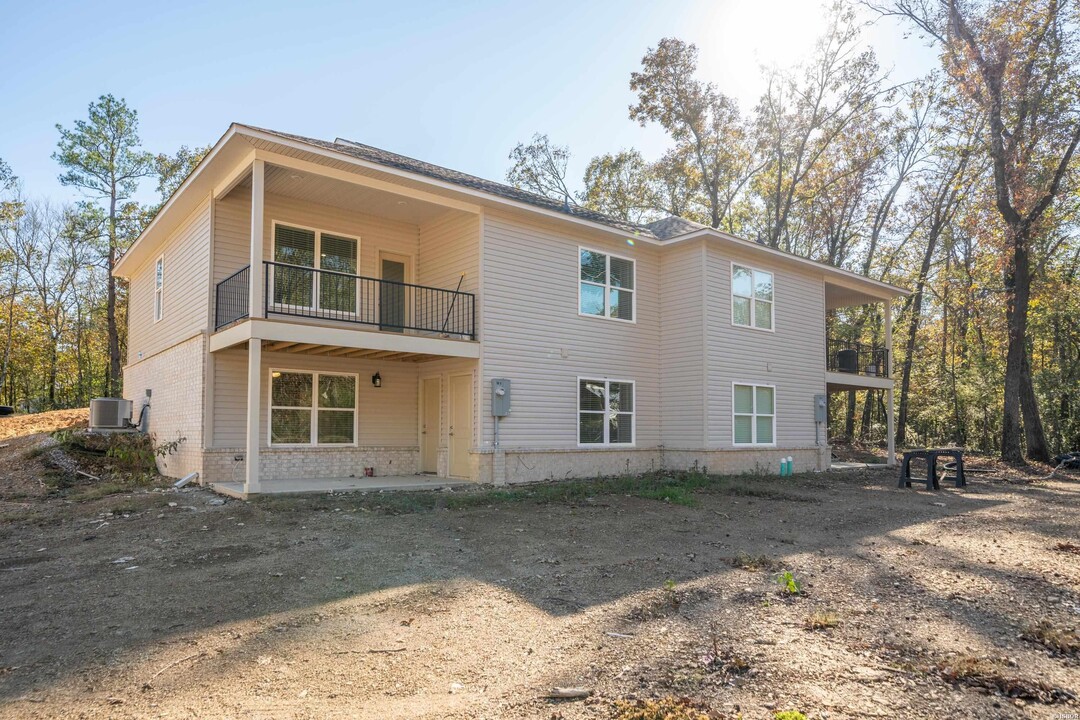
(13, 426)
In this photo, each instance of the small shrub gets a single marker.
(670, 593)
(666, 708)
(745, 561)
(789, 584)
(822, 620)
(136, 452)
(976, 672)
(1062, 641)
(789, 715)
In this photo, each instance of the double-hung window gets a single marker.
(312, 408)
(605, 412)
(754, 418)
(159, 288)
(313, 270)
(751, 297)
(606, 285)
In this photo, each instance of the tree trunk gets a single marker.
(9, 332)
(1017, 288)
(1037, 447)
(113, 384)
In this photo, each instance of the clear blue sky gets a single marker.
(455, 83)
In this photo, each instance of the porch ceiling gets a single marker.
(297, 348)
(312, 188)
(838, 296)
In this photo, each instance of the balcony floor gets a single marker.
(305, 337)
(840, 381)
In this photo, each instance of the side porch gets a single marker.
(316, 409)
(853, 364)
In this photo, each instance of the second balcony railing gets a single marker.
(389, 305)
(856, 358)
(324, 294)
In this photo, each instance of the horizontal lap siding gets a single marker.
(187, 258)
(449, 247)
(682, 345)
(792, 358)
(375, 233)
(233, 229)
(386, 415)
(533, 335)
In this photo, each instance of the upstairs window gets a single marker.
(751, 297)
(159, 288)
(754, 416)
(314, 270)
(605, 285)
(605, 412)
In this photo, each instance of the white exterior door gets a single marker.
(430, 429)
(461, 422)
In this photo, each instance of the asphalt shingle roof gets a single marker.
(437, 172)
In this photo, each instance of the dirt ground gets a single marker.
(180, 604)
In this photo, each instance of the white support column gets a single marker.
(257, 276)
(251, 453)
(889, 406)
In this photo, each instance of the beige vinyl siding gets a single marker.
(533, 335)
(386, 416)
(682, 336)
(792, 358)
(184, 298)
(233, 228)
(450, 246)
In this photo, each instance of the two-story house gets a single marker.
(305, 311)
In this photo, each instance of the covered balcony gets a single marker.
(339, 271)
(387, 305)
(854, 366)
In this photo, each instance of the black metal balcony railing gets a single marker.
(324, 294)
(856, 358)
(231, 298)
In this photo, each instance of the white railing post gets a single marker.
(889, 408)
(251, 451)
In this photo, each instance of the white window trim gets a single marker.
(607, 286)
(633, 413)
(753, 298)
(318, 266)
(314, 408)
(159, 289)
(754, 415)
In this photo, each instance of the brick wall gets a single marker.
(220, 464)
(175, 375)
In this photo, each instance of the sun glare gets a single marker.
(744, 36)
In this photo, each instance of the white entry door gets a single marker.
(461, 423)
(430, 429)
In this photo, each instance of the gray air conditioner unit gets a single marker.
(110, 414)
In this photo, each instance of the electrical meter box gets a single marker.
(500, 397)
(821, 409)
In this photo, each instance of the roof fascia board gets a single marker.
(238, 173)
(117, 269)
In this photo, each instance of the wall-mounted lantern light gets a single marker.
(376, 380)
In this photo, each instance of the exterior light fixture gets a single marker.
(376, 380)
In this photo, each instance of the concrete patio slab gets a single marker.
(336, 485)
